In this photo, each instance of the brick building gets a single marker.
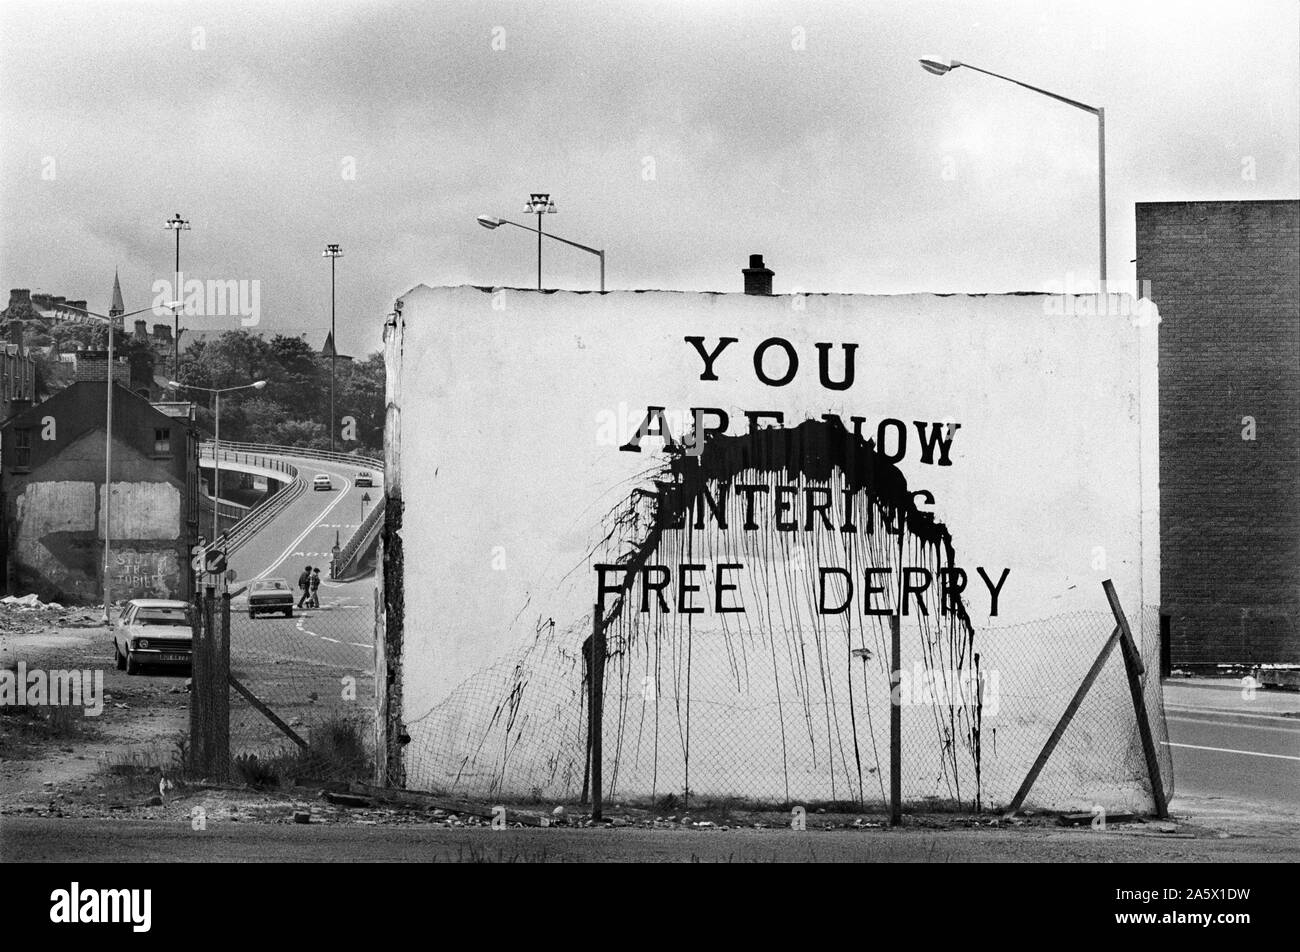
(17, 372)
(52, 497)
(1226, 278)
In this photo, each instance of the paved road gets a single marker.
(57, 840)
(341, 631)
(1234, 749)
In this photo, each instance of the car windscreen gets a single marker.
(276, 586)
(163, 616)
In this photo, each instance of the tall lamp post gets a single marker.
(108, 445)
(216, 441)
(489, 222)
(177, 224)
(332, 252)
(939, 67)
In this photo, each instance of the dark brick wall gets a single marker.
(1226, 278)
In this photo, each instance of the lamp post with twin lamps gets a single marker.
(937, 66)
(216, 441)
(108, 443)
(490, 222)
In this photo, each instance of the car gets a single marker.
(269, 596)
(153, 631)
(322, 481)
(364, 478)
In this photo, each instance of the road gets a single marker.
(1235, 753)
(341, 631)
(144, 841)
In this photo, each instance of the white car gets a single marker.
(322, 481)
(153, 631)
(364, 478)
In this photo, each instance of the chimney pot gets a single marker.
(758, 279)
(141, 330)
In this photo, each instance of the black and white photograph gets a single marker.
(659, 431)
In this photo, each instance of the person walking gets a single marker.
(314, 601)
(304, 585)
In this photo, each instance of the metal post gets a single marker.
(1101, 178)
(216, 470)
(108, 482)
(196, 675)
(539, 251)
(334, 353)
(596, 706)
(176, 314)
(602, 271)
(895, 722)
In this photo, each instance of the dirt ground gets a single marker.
(127, 763)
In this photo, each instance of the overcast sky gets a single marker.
(680, 137)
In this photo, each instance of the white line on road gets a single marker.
(305, 532)
(356, 644)
(1284, 727)
(1229, 750)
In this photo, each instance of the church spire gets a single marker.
(117, 309)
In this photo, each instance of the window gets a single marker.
(162, 441)
(23, 447)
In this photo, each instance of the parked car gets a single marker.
(364, 478)
(153, 631)
(270, 596)
(322, 481)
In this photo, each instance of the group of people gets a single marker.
(309, 585)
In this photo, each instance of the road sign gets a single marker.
(215, 561)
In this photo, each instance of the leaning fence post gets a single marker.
(1134, 667)
(895, 722)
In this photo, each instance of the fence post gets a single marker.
(197, 697)
(596, 704)
(220, 702)
(895, 722)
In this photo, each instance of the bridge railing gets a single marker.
(272, 449)
(359, 541)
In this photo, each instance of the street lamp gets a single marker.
(489, 222)
(938, 66)
(177, 224)
(108, 444)
(332, 252)
(216, 441)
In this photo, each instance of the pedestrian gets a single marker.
(315, 589)
(304, 585)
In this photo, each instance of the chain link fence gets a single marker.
(735, 714)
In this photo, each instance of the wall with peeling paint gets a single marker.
(513, 408)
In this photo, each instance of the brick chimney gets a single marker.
(79, 305)
(162, 332)
(19, 296)
(758, 279)
(141, 330)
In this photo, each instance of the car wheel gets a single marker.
(288, 613)
(132, 666)
(117, 657)
(252, 614)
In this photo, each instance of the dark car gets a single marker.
(153, 631)
(270, 596)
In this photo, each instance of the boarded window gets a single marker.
(162, 441)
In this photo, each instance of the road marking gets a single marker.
(358, 645)
(1210, 710)
(289, 549)
(1284, 727)
(333, 641)
(1229, 750)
